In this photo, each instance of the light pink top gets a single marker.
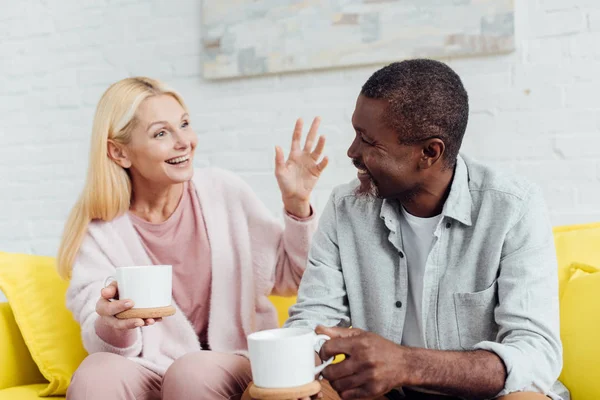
(182, 242)
(253, 255)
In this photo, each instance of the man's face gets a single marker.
(386, 168)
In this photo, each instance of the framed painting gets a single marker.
(255, 37)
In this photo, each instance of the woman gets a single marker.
(143, 204)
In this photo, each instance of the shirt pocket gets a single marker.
(475, 316)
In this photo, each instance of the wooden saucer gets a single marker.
(294, 393)
(145, 313)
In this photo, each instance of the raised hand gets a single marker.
(298, 175)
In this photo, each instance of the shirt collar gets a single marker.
(457, 206)
(459, 203)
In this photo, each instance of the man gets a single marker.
(444, 268)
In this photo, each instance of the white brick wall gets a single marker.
(535, 111)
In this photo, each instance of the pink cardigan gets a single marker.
(253, 256)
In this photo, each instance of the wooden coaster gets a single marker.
(146, 313)
(294, 393)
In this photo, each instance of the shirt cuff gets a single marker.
(310, 216)
(521, 374)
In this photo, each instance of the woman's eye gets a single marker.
(185, 124)
(160, 134)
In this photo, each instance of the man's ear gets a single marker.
(431, 153)
(118, 154)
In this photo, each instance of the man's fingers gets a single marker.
(339, 345)
(340, 370)
(356, 394)
(335, 332)
(352, 381)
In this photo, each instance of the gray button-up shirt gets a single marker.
(491, 278)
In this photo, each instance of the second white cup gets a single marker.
(285, 357)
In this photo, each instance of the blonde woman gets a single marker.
(144, 204)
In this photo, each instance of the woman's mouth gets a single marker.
(179, 161)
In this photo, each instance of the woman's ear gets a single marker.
(118, 154)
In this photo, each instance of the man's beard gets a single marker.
(370, 192)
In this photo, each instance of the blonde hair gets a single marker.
(107, 191)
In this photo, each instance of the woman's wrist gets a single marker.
(297, 208)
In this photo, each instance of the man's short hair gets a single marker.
(426, 99)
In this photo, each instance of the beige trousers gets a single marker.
(201, 375)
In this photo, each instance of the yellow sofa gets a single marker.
(20, 379)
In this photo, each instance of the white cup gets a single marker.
(149, 286)
(285, 357)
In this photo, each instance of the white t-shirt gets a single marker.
(417, 240)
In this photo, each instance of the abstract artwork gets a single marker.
(255, 37)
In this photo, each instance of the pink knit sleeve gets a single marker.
(89, 272)
(280, 250)
(292, 254)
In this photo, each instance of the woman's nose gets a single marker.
(182, 141)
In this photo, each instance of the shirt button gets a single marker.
(401, 254)
(448, 225)
(398, 304)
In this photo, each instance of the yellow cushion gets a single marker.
(580, 324)
(576, 243)
(29, 392)
(16, 366)
(36, 295)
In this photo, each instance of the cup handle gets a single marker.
(319, 340)
(108, 281)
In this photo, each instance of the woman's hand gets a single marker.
(298, 175)
(107, 310)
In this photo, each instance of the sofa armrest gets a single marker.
(16, 365)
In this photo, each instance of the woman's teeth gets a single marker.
(178, 160)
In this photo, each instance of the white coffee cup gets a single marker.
(285, 357)
(149, 286)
